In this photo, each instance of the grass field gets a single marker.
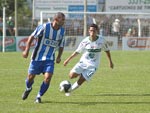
(125, 89)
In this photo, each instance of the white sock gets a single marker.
(28, 88)
(74, 86)
(38, 96)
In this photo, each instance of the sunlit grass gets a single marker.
(125, 89)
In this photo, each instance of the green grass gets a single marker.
(125, 89)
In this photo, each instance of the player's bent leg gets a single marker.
(30, 77)
(47, 77)
(44, 87)
(73, 75)
(29, 82)
(81, 80)
(78, 83)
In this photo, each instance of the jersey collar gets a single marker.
(90, 38)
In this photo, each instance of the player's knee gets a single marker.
(48, 77)
(47, 80)
(72, 75)
(30, 77)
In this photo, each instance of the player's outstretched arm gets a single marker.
(70, 57)
(58, 59)
(25, 53)
(110, 60)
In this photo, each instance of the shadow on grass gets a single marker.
(134, 95)
(101, 102)
(94, 103)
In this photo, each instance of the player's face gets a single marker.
(60, 21)
(93, 32)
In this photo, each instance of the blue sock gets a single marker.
(43, 89)
(28, 84)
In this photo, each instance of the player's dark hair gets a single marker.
(95, 26)
(58, 14)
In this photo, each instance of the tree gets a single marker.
(23, 9)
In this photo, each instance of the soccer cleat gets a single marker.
(26, 93)
(67, 87)
(67, 90)
(38, 100)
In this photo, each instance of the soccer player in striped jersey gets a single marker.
(91, 46)
(49, 37)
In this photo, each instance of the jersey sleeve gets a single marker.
(38, 32)
(105, 46)
(80, 47)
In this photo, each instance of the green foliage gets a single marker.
(10, 7)
(125, 89)
(23, 10)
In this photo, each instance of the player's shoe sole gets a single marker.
(26, 94)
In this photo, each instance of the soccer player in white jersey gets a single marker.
(50, 37)
(89, 62)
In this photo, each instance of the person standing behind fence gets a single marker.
(50, 37)
(10, 25)
(116, 28)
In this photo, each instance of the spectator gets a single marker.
(128, 34)
(10, 24)
(132, 32)
(116, 28)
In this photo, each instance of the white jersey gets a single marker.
(116, 26)
(92, 51)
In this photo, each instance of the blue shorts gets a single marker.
(38, 67)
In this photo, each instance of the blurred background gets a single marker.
(124, 23)
(23, 8)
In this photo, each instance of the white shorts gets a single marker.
(86, 70)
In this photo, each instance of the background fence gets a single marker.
(123, 31)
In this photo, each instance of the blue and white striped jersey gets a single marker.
(48, 40)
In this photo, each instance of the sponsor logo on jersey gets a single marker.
(94, 50)
(52, 43)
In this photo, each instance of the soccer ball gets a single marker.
(65, 86)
